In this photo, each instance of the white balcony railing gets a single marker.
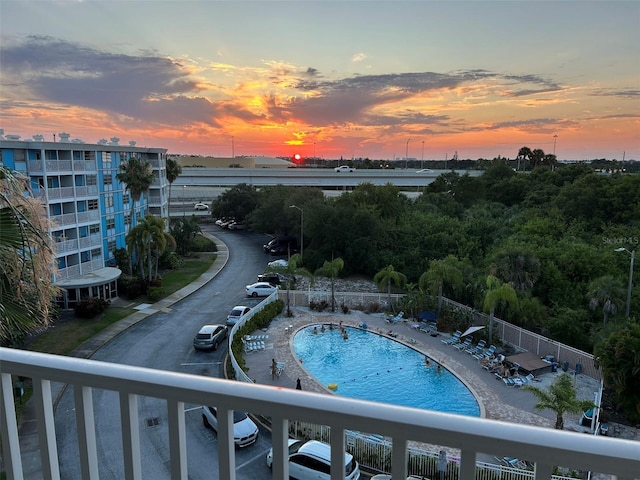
(66, 246)
(546, 447)
(91, 241)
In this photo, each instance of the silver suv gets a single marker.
(312, 461)
(209, 337)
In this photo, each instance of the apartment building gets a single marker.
(90, 210)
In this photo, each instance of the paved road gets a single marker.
(164, 341)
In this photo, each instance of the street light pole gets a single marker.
(633, 256)
(301, 229)
(184, 205)
(555, 137)
(422, 157)
(406, 154)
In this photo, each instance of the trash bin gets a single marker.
(554, 367)
(578, 368)
(565, 366)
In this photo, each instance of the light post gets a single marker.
(422, 156)
(184, 205)
(633, 256)
(406, 154)
(301, 229)
(555, 137)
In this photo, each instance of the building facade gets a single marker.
(89, 209)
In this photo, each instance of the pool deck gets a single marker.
(499, 402)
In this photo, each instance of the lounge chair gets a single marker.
(487, 353)
(473, 349)
(463, 345)
(428, 327)
(509, 381)
(520, 381)
(397, 318)
(279, 368)
(453, 339)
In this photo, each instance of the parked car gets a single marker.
(235, 314)
(260, 289)
(245, 432)
(311, 460)
(237, 226)
(344, 168)
(273, 278)
(209, 337)
(201, 206)
(385, 476)
(280, 263)
(281, 245)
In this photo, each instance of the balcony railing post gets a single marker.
(130, 436)
(46, 428)
(85, 422)
(337, 452)
(9, 430)
(399, 458)
(279, 436)
(177, 440)
(226, 446)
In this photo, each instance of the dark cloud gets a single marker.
(144, 87)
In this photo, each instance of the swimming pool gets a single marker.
(373, 367)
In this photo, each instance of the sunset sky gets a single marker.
(374, 79)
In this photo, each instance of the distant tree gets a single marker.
(524, 155)
(619, 358)
(518, 267)
(441, 272)
(561, 398)
(292, 268)
(174, 169)
(26, 261)
(331, 270)
(497, 294)
(388, 275)
(536, 158)
(606, 292)
(184, 230)
(236, 202)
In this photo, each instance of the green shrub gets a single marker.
(90, 307)
(156, 293)
(130, 287)
(201, 243)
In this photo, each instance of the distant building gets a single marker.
(231, 162)
(89, 208)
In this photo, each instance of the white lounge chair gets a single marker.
(453, 339)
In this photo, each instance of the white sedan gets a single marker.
(260, 289)
(344, 168)
(245, 432)
(201, 206)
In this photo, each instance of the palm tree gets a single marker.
(331, 269)
(389, 275)
(560, 398)
(524, 154)
(174, 169)
(440, 272)
(498, 293)
(148, 237)
(138, 176)
(518, 268)
(606, 292)
(26, 260)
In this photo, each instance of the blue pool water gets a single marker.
(373, 367)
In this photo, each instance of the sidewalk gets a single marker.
(27, 430)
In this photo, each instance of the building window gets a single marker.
(127, 220)
(108, 201)
(92, 180)
(111, 223)
(111, 246)
(93, 229)
(125, 198)
(85, 257)
(96, 253)
(108, 179)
